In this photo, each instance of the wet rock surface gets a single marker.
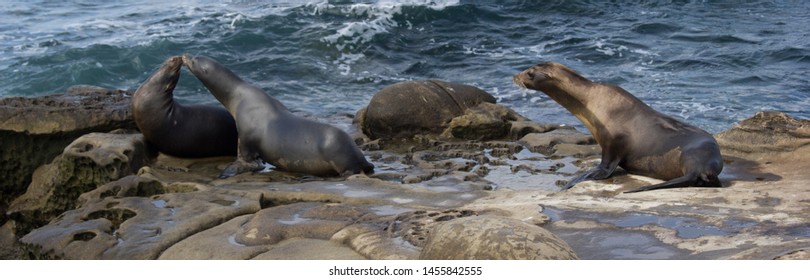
(494, 238)
(760, 213)
(490, 199)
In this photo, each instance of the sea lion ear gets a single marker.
(540, 74)
(543, 71)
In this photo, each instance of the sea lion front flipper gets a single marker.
(240, 166)
(603, 171)
(245, 161)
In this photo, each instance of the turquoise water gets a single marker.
(712, 63)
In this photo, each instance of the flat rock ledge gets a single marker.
(485, 199)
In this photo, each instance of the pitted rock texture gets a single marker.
(135, 227)
(33, 130)
(414, 227)
(302, 220)
(494, 238)
(90, 161)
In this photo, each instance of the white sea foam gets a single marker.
(377, 18)
(602, 46)
(345, 62)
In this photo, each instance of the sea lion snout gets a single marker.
(526, 79)
(537, 76)
(187, 59)
(518, 81)
(199, 65)
(174, 61)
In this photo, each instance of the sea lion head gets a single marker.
(199, 65)
(158, 89)
(544, 75)
(208, 70)
(565, 87)
(164, 80)
(215, 76)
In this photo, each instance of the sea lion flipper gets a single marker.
(268, 131)
(645, 141)
(680, 182)
(240, 166)
(603, 171)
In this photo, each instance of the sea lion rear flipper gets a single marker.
(680, 182)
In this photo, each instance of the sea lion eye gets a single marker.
(530, 75)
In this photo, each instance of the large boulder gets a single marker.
(33, 130)
(417, 107)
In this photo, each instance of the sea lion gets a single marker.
(269, 131)
(632, 135)
(175, 129)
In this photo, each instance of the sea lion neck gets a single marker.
(575, 97)
(157, 92)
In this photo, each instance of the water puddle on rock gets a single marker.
(611, 244)
(232, 241)
(386, 210)
(296, 219)
(160, 203)
(618, 235)
(526, 170)
(361, 194)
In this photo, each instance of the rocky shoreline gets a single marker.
(81, 183)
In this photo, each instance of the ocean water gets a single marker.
(711, 63)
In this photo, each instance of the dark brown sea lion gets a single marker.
(632, 135)
(176, 129)
(269, 131)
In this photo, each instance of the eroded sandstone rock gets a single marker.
(415, 107)
(33, 130)
(485, 121)
(136, 227)
(486, 197)
(767, 134)
(90, 161)
(494, 238)
(449, 110)
(561, 142)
